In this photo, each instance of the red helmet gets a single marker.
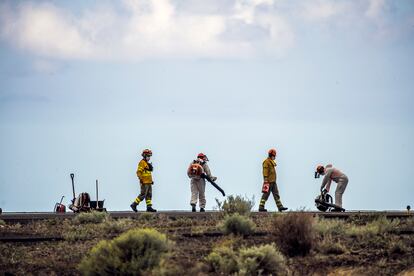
(202, 156)
(146, 152)
(272, 152)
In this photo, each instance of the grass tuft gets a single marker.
(237, 224)
(90, 217)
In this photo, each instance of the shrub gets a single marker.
(237, 204)
(224, 260)
(261, 260)
(132, 253)
(397, 247)
(85, 232)
(112, 226)
(144, 217)
(329, 246)
(90, 217)
(379, 226)
(294, 233)
(2, 223)
(237, 224)
(327, 227)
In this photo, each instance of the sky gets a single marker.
(85, 86)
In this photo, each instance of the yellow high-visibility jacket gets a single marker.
(269, 170)
(143, 172)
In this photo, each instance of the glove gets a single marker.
(213, 178)
(266, 187)
(150, 167)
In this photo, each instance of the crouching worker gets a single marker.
(144, 173)
(198, 184)
(330, 173)
(269, 183)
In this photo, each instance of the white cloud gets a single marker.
(375, 8)
(141, 29)
(324, 9)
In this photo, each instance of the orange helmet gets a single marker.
(320, 169)
(202, 156)
(272, 152)
(146, 152)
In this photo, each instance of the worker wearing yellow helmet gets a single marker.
(144, 173)
(269, 182)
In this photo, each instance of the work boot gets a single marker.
(202, 210)
(262, 209)
(281, 209)
(134, 206)
(193, 208)
(150, 209)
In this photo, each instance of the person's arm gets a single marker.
(208, 172)
(327, 180)
(265, 171)
(140, 170)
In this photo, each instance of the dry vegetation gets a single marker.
(288, 244)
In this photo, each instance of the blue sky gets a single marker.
(86, 85)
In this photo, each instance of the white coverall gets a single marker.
(337, 176)
(198, 186)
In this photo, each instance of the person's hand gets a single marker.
(213, 178)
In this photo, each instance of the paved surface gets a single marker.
(27, 217)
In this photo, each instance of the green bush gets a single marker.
(376, 227)
(132, 253)
(237, 204)
(237, 224)
(90, 217)
(2, 223)
(294, 233)
(223, 260)
(327, 227)
(261, 260)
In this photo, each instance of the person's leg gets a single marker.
(139, 198)
(276, 196)
(264, 198)
(202, 195)
(340, 189)
(148, 195)
(148, 198)
(194, 194)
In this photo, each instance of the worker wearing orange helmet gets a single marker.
(332, 174)
(144, 173)
(198, 184)
(269, 183)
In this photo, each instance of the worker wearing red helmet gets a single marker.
(198, 184)
(269, 183)
(144, 173)
(333, 174)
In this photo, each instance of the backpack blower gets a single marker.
(324, 202)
